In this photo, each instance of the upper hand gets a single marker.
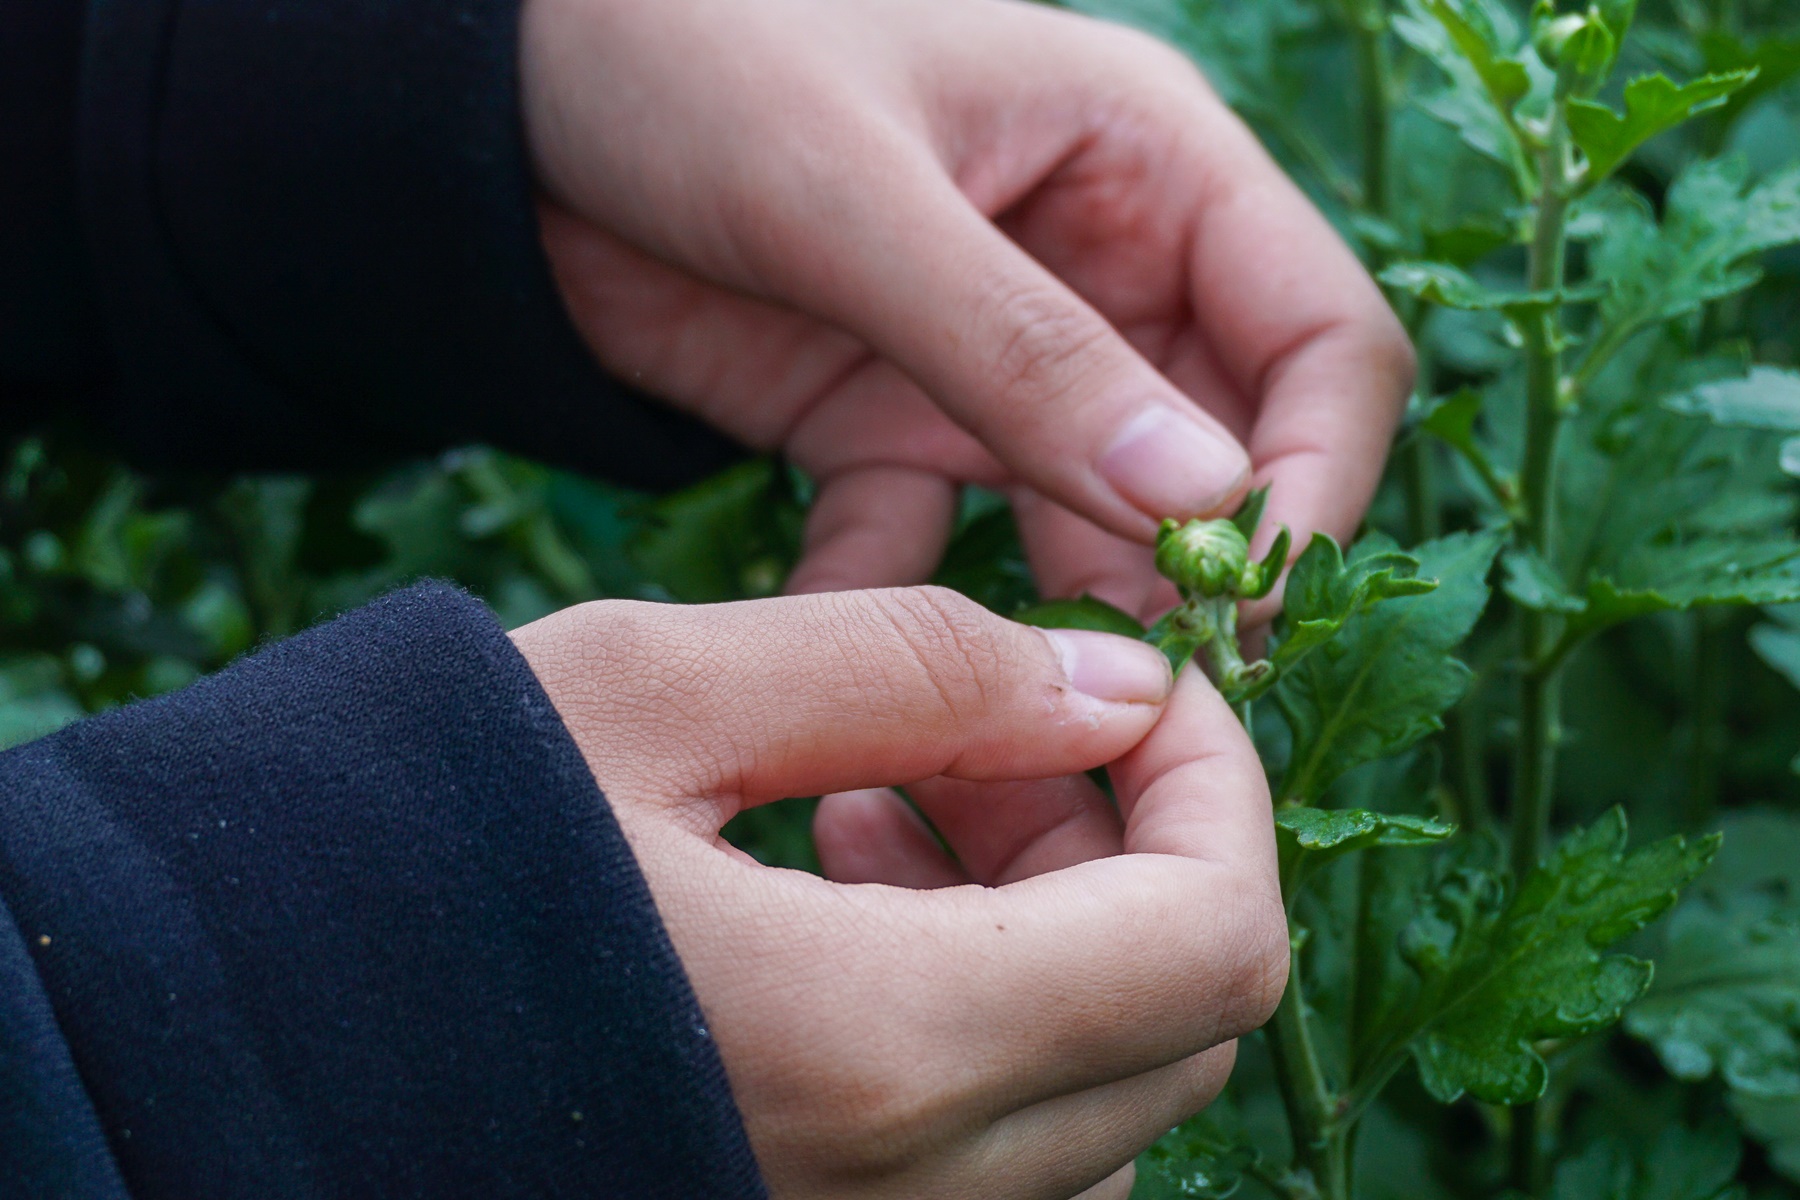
(1021, 1040)
(916, 243)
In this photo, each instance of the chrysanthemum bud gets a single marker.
(1206, 558)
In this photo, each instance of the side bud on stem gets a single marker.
(1209, 562)
(1581, 47)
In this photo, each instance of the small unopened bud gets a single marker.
(1580, 46)
(1206, 558)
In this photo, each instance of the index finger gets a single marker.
(1298, 326)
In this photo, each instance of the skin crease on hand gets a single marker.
(1016, 1023)
(914, 244)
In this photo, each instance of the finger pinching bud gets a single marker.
(1206, 558)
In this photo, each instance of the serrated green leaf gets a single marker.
(1767, 398)
(1473, 32)
(1324, 592)
(1727, 995)
(1387, 677)
(1661, 511)
(1450, 287)
(1083, 612)
(1699, 574)
(1470, 42)
(1715, 221)
(1653, 104)
(1498, 973)
(1310, 837)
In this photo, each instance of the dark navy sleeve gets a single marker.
(350, 919)
(293, 233)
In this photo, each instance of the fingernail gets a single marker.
(1112, 668)
(1169, 465)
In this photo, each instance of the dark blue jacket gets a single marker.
(351, 919)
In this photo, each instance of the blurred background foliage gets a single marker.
(116, 584)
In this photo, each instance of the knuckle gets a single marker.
(1393, 351)
(1151, 55)
(884, 1122)
(954, 640)
(1259, 970)
(1048, 342)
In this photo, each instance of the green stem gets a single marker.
(1375, 74)
(1711, 630)
(1320, 1142)
(1523, 1151)
(1418, 477)
(1539, 698)
(1540, 679)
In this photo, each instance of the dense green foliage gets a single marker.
(1578, 600)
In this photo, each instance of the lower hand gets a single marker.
(1023, 1040)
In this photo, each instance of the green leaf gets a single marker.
(1715, 221)
(1084, 612)
(1477, 39)
(1452, 421)
(1681, 1164)
(1450, 287)
(1778, 643)
(1698, 574)
(1533, 583)
(1653, 104)
(1175, 637)
(1203, 1157)
(1328, 832)
(1664, 512)
(1324, 592)
(1776, 1124)
(1767, 398)
(1499, 974)
(1727, 995)
(729, 537)
(1249, 513)
(1386, 678)
(1493, 79)
(1310, 837)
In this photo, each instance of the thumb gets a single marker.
(1013, 355)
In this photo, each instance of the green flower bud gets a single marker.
(1206, 558)
(1580, 46)
(1552, 34)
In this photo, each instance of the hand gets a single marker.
(1025, 1040)
(916, 243)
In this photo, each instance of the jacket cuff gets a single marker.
(311, 226)
(353, 918)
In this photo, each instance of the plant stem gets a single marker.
(1540, 677)
(1539, 691)
(1710, 641)
(1319, 1141)
(1375, 74)
(1523, 1150)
